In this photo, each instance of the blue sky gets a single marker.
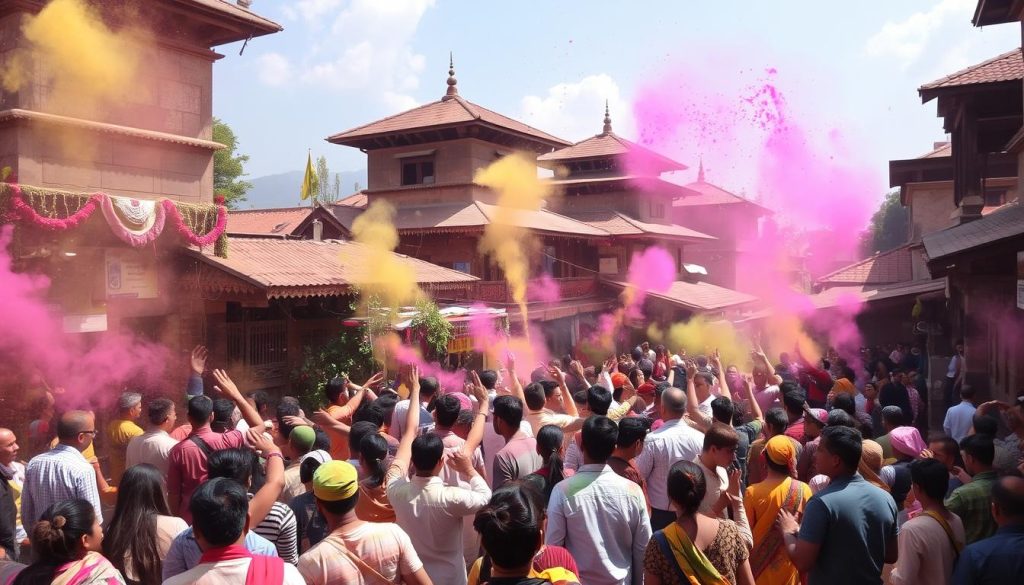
(342, 63)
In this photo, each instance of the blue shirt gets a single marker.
(184, 553)
(993, 560)
(853, 521)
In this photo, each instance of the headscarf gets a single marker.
(619, 380)
(334, 481)
(844, 386)
(907, 440)
(780, 450)
(320, 455)
(871, 463)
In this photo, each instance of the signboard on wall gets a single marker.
(608, 265)
(130, 275)
(1020, 279)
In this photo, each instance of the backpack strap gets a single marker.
(203, 445)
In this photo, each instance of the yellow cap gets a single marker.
(335, 480)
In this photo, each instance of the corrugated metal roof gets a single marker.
(1006, 222)
(620, 224)
(297, 268)
(890, 267)
(1006, 67)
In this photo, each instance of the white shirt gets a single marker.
(717, 481)
(602, 519)
(151, 447)
(228, 573)
(926, 555)
(959, 420)
(401, 412)
(431, 513)
(768, 397)
(674, 441)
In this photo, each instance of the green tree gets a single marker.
(889, 226)
(326, 192)
(228, 167)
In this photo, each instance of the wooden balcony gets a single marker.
(498, 292)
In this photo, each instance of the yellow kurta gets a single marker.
(119, 432)
(762, 502)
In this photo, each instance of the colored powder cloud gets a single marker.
(493, 340)
(92, 373)
(451, 381)
(506, 239)
(380, 271)
(543, 289)
(702, 336)
(652, 270)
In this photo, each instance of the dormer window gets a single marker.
(418, 170)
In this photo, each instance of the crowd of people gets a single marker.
(651, 467)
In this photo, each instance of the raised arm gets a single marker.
(517, 386)
(197, 365)
(476, 432)
(755, 407)
(412, 419)
(773, 378)
(692, 403)
(262, 502)
(570, 404)
(723, 384)
(228, 388)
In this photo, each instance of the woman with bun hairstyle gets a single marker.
(66, 543)
(695, 548)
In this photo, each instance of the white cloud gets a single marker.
(907, 40)
(575, 111)
(310, 10)
(274, 69)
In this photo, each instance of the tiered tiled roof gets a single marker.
(1006, 222)
(708, 194)
(1006, 67)
(890, 267)
(303, 268)
(353, 200)
(279, 221)
(620, 224)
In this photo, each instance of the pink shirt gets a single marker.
(186, 464)
(518, 458)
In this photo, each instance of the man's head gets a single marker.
(978, 452)
(775, 422)
(223, 415)
(301, 440)
(220, 513)
(534, 394)
(839, 452)
(892, 417)
(723, 410)
(282, 429)
(428, 388)
(1008, 501)
(720, 444)
(129, 405)
(200, 411)
(793, 399)
(599, 400)
(845, 403)
(702, 382)
(930, 480)
(77, 428)
(508, 414)
(580, 398)
(335, 391)
(428, 453)
(233, 464)
(599, 437)
(637, 353)
(489, 378)
(463, 423)
(336, 489)
(760, 376)
(358, 431)
(8, 447)
(260, 400)
(983, 424)
(446, 411)
(815, 420)
(840, 418)
(632, 432)
(870, 391)
(784, 359)
(673, 404)
(161, 413)
(945, 450)
(553, 398)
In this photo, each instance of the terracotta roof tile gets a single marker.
(620, 224)
(456, 110)
(836, 296)
(1006, 222)
(266, 221)
(297, 268)
(700, 296)
(353, 200)
(610, 145)
(1006, 67)
(708, 194)
(940, 151)
(890, 267)
(647, 185)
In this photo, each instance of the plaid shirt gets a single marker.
(62, 473)
(972, 502)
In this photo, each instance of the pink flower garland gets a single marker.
(190, 236)
(49, 223)
(126, 236)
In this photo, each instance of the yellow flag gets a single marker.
(308, 181)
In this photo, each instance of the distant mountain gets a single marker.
(282, 189)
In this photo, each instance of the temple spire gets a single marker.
(700, 170)
(607, 120)
(453, 90)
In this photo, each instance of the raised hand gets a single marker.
(260, 442)
(556, 374)
(479, 392)
(374, 380)
(224, 384)
(198, 359)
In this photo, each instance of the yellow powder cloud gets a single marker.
(379, 271)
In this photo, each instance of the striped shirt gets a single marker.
(280, 528)
(62, 473)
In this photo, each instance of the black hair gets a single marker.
(776, 420)
(429, 386)
(199, 410)
(335, 386)
(321, 441)
(793, 397)
(340, 507)
(687, 486)
(220, 507)
(358, 431)
(387, 403)
(132, 533)
(985, 425)
(843, 442)
(631, 430)
(510, 526)
(840, 418)
(56, 539)
(233, 464)
(446, 411)
(893, 415)
(370, 411)
(722, 436)
(159, 410)
(489, 379)
(286, 408)
(535, 396)
(427, 450)
(948, 444)
(580, 397)
(307, 468)
(599, 436)
(261, 399)
(599, 400)
(549, 443)
(549, 387)
(636, 353)
(1010, 501)
(465, 418)
(509, 409)
(374, 451)
(223, 410)
(723, 409)
(931, 476)
(980, 447)
(845, 402)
